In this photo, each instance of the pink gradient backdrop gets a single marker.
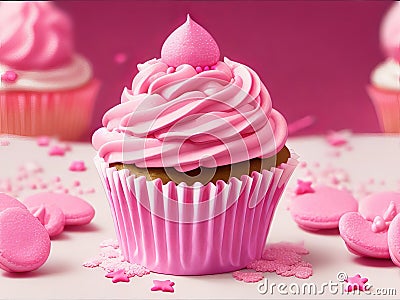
(314, 57)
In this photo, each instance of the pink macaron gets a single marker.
(7, 201)
(24, 242)
(51, 217)
(76, 210)
(321, 207)
(360, 237)
(377, 204)
(394, 240)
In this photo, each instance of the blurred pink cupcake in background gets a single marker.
(46, 88)
(384, 89)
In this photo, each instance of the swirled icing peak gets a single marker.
(390, 32)
(34, 36)
(190, 44)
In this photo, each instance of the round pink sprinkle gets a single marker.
(43, 141)
(213, 67)
(206, 68)
(120, 58)
(90, 191)
(76, 183)
(9, 76)
(33, 186)
(57, 179)
(57, 150)
(77, 166)
(170, 70)
(199, 69)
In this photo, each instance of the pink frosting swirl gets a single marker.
(34, 35)
(185, 119)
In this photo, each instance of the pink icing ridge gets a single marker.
(34, 35)
(176, 119)
(190, 44)
(390, 32)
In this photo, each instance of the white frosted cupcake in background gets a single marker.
(46, 88)
(384, 89)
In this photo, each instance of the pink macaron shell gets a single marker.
(53, 219)
(24, 242)
(323, 208)
(7, 201)
(394, 240)
(376, 204)
(76, 210)
(360, 239)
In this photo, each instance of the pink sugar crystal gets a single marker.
(248, 276)
(285, 259)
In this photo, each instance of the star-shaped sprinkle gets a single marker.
(118, 276)
(9, 76)
(356, 283)
(304, 187)
(163, 285)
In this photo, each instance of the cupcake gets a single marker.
(384, 89)
(193, 160)
(46, 88)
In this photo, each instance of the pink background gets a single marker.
(314, 57)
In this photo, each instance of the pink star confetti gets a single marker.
(163, 285)
(57, 150)
(118, 276)
(9, 76)
(77, 166)
(304, 187)
(248, 276)
(43, 141)
(356, 283)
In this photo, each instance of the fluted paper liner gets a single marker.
(387, 108)
(193, 230)
(65, 114)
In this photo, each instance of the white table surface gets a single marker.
(63, 277)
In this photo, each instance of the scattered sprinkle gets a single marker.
(163, 285)
(337, 138)
(43, 141)
(118, 276)
(56, 150)
(304, 187)
(9, 76)
(77, 166)
(356, 283)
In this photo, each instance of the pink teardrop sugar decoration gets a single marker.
(190, 44)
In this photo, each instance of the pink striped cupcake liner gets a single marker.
(387, 108)
(193, 230)
(64, 114)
